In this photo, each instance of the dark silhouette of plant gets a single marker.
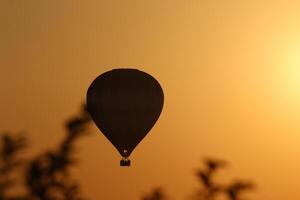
(156, 194)
(236, 188)
(209, 188)
(47, 175)
(10, 161)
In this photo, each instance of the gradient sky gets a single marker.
(230, 71)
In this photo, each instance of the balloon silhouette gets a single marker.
(125, 104)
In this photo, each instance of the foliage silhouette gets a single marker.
(209, 188)
(10, 161)
(47, 176)
(156, 194)
(205, 176)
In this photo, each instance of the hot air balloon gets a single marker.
(125, 104)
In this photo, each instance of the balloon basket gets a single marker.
(125, 162)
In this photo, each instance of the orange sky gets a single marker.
(229, 70)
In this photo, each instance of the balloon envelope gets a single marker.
(125, 104)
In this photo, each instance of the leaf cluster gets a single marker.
(47, 176)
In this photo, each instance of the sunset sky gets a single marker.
(230, 70)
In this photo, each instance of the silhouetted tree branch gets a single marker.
(236, 188)
(156, 194)
(205, 176)
(209, 188)
(48, 175)
(10, 161)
